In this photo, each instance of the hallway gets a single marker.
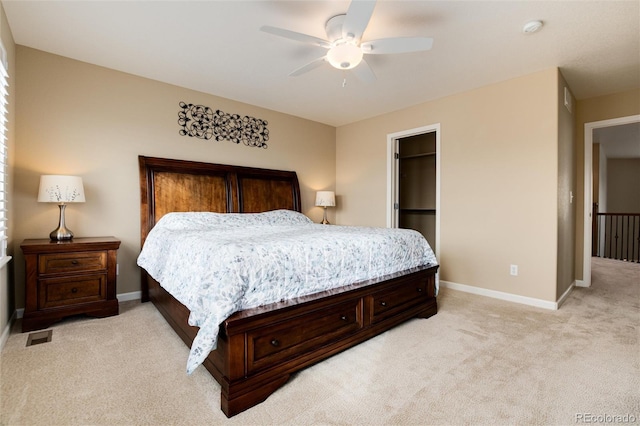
(616, 281)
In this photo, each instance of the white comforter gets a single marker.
(216, 264)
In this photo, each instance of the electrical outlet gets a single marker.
(514, 270)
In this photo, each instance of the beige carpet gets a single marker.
(479, 361)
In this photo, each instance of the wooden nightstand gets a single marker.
(68, 278)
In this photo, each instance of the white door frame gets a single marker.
(588, 188)
(392, 175)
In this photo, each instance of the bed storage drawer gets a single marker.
(309, 331)
(389, 302)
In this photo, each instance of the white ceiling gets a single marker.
(621, 141)
(216, 47)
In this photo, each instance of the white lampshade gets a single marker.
(325, 198)
(60, 189)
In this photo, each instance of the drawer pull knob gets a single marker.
(383, 303)
(275, 342)
(74, 262)
(74, 290)
(343, 317)
(419, 289)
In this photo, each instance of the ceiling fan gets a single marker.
(345, 48)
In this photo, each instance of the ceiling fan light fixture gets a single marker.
(344, 43)
(344, 56)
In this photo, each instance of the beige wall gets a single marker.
(504, 165)
(623, 175)
(80, 119)
(599, 196)
(566, 191)
(595, 172)
(499, 181)
(607, 107)
(6, 289)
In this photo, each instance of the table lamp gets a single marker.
(61, 190)
(325, 199)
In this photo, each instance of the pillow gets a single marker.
(200, 220)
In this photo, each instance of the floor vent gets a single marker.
(39, 337)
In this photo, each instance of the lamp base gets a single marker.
(61, 233)
(324, 218)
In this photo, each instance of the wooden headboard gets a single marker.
(188, 186)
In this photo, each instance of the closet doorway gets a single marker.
(414, 182)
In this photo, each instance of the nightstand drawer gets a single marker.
(72, 262)
(65, 278)
(56, 292)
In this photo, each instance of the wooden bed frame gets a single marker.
(258, 349)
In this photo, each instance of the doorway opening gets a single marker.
(413, 181)
(589, 129)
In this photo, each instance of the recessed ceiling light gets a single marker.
(532, 27)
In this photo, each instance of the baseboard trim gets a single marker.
(122, 297)
(125, 297)
(7, 331)
(565, 295)
(509, 297)
(18, 313)
(581, 283)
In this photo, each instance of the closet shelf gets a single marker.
(421, 155)
(417, 210)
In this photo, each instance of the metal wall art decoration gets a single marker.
(202, 122)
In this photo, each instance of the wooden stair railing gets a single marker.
(616, 235)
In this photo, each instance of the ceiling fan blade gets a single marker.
(292, 35)
(357, 19)
(306, 68)
(397, 45)
(364, 72)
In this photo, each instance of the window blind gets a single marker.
(4, 99)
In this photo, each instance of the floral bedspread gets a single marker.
(219, 263)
